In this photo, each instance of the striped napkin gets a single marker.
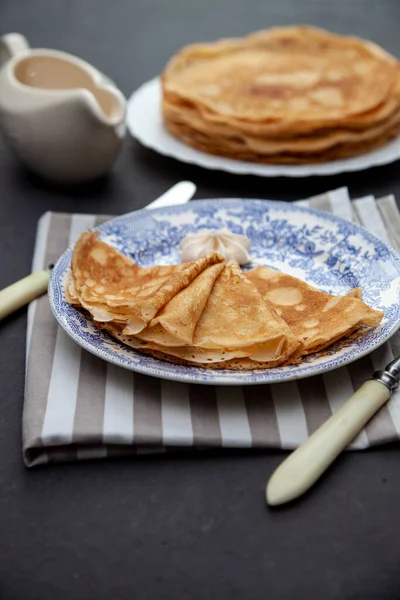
(78, 406)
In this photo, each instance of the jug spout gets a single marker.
(12, 45)
(106, 103)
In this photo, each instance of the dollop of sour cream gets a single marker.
(231, 246)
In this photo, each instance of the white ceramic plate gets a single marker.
(145, 124)
(321, 248)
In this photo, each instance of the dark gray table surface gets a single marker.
(183, 527)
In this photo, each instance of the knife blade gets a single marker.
(305, 465)
(34, 285)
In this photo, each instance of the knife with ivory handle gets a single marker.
(305, 465)
(27, 289)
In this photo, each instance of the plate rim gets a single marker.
(249, 168)
(212, 374)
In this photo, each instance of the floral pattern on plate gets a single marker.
(320, 248)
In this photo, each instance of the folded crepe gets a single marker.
(235, 323)
(317, 318)
(206, 312)
(114, 289)
(176, 322)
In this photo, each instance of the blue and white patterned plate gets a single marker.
(320, 248)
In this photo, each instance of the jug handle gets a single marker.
(11, 45)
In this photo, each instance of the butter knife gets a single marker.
(305, 465)
(27, 289)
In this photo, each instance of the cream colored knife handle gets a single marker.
(180, 193)
(23, 291)
(305, 465)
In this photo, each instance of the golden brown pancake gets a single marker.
(175, 324)
(284, 73)
(317, 318)
(193, 126)
(235, 323)
(207, 313)
(235, 316)
(238, 151)
(290, 94)
(175, 109)
(232, 364)
(113, 288)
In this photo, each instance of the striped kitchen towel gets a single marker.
(78, 406)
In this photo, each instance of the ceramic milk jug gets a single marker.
(64, 118)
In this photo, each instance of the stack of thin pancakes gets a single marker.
(285, 95)
(207, 312)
